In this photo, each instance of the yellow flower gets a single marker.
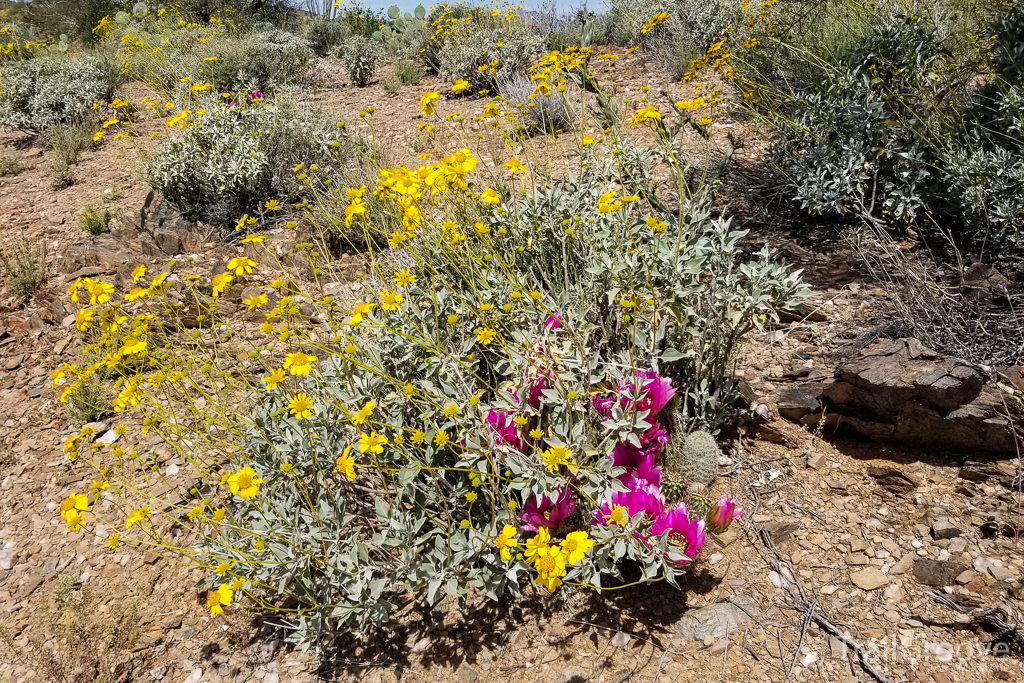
(218, 598)
(372, 442)
(617, 516)
(576, 545)
(273, 204)
(301, 406)
(390, 300)
(460, 86)
(647, 113)
(244, 482)
(286, 467)
(76, 501)
(485, 335)
(441, 439)
(705, 121)
(136, 293)
(196, 512)
(224, 567)
(364, 413)
(587, 140)
(218, 515)
(220, 283)
(417, 436)
(750, 43)
(139, 272)
(658, 18)
(299, 363)
(656, 224)
(471, 497)
(241, 265)
(555, 456)
(513, 166)
(550, 566)
(114, 541)
(428, 102)
(99, 292)
(506, 540)
(451, 410)
(408, 390)
(255, 301)
(347, 464)
(536, 433)
(273, 379)
(607, 203)
(519, 420)
(537, 544)
(132, 347)
(75, 520)
(253, 239)
(489, 196)
(137, 515)
(358, 312)
(84, 317)
(404, 277)
(691, 104)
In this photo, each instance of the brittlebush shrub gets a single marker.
(37, 94)
(232, 157)
(489, 405)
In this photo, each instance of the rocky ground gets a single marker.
(843, 537)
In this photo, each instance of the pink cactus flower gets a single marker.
(658, 391)
(548, 511)
(635, 501)
(553, 322)
(687, 533)
(504, 428)
(651, 443)
(724, 513)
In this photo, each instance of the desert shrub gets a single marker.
(362, 56)
(878, 137)
(539, 112)
(37, 94)
(325, 35)
(392, 84)
(361, 20)
(232, 157)
(408, 72)
(16, 43)
(489, 405)
(68, 141)
(486, 50)
(10, 165)
(24, 268)
(264, 61)
(95, 222)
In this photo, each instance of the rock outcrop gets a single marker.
(898, 390)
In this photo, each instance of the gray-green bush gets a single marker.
(362, 56)
(37, 94)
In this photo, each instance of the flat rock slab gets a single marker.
(938, 572)
(869, 579)
(717, 620)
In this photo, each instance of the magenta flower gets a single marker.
(687, 533)
(658, 392)
(635, 501)
(255, 96)
(553, 322)
(651, 442)
(546, 511)
(723, 514)
(504, 428)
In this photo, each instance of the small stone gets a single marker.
(421, 646)
(621, 640)
(194, 676)
(1001, 573)
(869, 579)
(6, 558)
(937, 572)
(966, 577)
(943, 528)
(159, 672)
(816, 461)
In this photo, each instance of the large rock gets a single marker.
(718, 619)
(900, 391)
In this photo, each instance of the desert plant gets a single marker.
(231, 157)
(9, 165)
(68, 141)
(265, 60)
(488, 51)
(361, 20)
(539, 112)
(408, 72)
(95, 222)
(362, 56)
(325, 35)
(37, 94)
(392, 84)
(393, 35)
(24, 267)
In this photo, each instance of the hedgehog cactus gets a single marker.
(691, 464)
